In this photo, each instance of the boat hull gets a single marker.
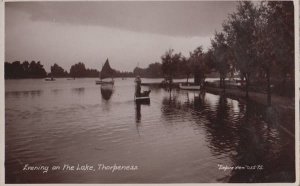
(189, 87)
(100, 82)
(48, 79)
(142, 100)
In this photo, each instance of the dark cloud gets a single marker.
(193, 18)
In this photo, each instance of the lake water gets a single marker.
(180, 137)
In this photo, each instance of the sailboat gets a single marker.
(106, 72)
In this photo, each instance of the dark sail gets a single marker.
(107, 71)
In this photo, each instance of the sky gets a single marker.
(128, 33)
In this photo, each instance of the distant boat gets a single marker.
(106, 72)
(138, 95)
(189, 87)
(50, 79)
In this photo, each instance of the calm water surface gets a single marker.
(179, 137)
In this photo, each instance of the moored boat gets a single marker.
(189, 87)
(50, 79)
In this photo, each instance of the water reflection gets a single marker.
(78, 91)
(138, 105)
(243, 132)
(106, 91)
(18, 94)
(260, 144)
(138, 114)
(56, 91)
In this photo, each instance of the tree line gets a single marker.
(18, 70)
(24, 70)
(256, 41)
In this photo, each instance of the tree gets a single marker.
(209, 59)
(170, 63)
(240, 29)
(198, 65)
(92, 73)
(78, 70)
(24, 70)
(36, 70)
(154, 70)
(57, 71)
(7, 70)
(278, 17)
(186, 67)
(221, 56)
(17, 70)
(25, 66)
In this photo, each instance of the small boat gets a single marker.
(49, 79)
(106, 72)
(189, 87)
(144, 96)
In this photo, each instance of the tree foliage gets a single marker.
(198, 65)
(58, 71)
(170, 62)
(154, 70)
(78, 70)
(240, 29)
(221, 56)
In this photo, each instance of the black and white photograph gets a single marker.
(144, 92)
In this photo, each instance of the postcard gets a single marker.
(144, 92)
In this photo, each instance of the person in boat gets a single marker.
(138, 92)
(138, 82)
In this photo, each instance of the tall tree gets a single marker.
(186, 68)
(280, 28)
(240, 29)
(221, 56)
(198, 65)
(170, 63)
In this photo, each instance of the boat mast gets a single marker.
(100, 73)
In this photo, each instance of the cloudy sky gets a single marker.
(128, 33)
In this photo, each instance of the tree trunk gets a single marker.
(283, 90)
(269, 87)
(247, 85)
(187, 79)
(220, 81)
(224, 84)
